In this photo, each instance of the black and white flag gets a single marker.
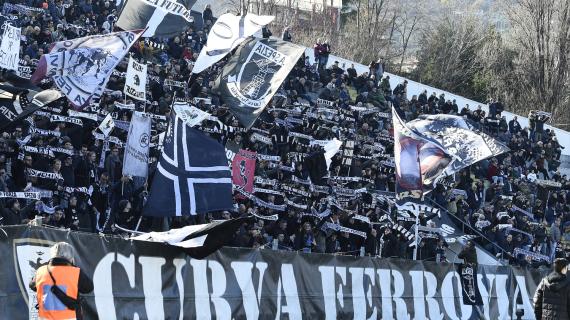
(459, 138)
(107, 125)
(190, 115)
(130, 106)
(85, 115)
(198, 241)
(15, 103)
(164, 18)
(135, 81)
(193, 175)
(81, 67)
(20, 195)
(470, 288)
(58, 118)
(43, 174)
(419, 161)
(226, 34)
(10, 48)
(253, 74)
(137, 148)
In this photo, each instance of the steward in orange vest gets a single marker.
(60, 304)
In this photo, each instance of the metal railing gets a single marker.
(468, 229)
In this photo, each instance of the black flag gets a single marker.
(198, 241)
(253, 74)
(470, 289)
(15, 103)
(163, 18)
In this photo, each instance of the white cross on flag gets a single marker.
(193, 175)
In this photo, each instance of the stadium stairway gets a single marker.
(463, 232)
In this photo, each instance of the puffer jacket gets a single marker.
(552, 298)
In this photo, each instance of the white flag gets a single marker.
(107, 125)
(331, 148)
(137, 148)
(10, 48)
(81, 67)
(190, 115)
(135, 82)
(226, 34)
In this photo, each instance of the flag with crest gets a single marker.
(253, 74)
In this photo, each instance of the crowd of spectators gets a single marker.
(356, 193)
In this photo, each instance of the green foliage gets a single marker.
(448, 58)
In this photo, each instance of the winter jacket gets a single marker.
(468, 254)
(555, 233)
(552, 298)
(390, 246)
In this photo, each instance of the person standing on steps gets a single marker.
(552, 297)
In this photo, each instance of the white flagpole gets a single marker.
(140, 218)
(417, 210)
(417, 236)
(138, 224)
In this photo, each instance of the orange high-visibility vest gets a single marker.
(67, 279)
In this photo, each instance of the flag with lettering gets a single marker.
(17, 103)
(193, 176)
(81, 67)
(135, 162)
(243, 170)
(10, 47)
(253, 74)
(135, 80)
(165, 18)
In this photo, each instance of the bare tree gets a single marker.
(405, 25)
(449, 54)
(540, 35)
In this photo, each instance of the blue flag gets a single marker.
(192, 176)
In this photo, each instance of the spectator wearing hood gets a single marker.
(12, 213)
(552, 297)
(376, 98)
(86, 172)
(207, 14)
(114, 165)
(389, 244)
(468, 253)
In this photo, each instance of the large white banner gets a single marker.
(135, 82)
(10, 48)
(226, 34)
(137, 148)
